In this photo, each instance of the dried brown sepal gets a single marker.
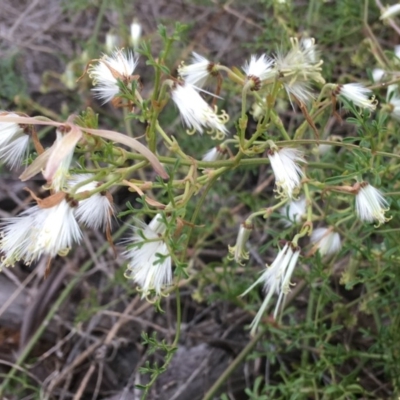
(86, 69)
(217, 90)
(36, 142)
(334, 112)
(48, 268)
(49, 201)
(343, 189)
(145, 186)
(307, 116)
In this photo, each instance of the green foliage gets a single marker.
(12, 84)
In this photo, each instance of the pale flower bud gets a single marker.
(377, 74)
(326, 241)
(215, 154)
(370, 204)
(111, 42)
(391, 11)
(294, 211)
(286, 170)
(358, 94)
(239, 250)
(136, 33)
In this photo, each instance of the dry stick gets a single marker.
(78, 360)
(16, 293)
(56, 347)
(28, 348)
(84, 382)
(123, 318)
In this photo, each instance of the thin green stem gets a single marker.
(94, 38)
(233, 365)
(309, 315)
(339, 144)
(127, 122)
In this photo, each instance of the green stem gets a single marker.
(92, 178)
(231, 75)
(93, 40)
(306, 342)
(127, 121)
(307, 194)
(172, 143)
(278, 123)
(339, 144)
(267, 211)
(243, 118)
(233, 365)
(178, 305)
(98, 189)
(171, 352)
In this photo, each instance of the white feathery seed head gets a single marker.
(371, 204)
(276, 280)
(38, 231)
(197, 114)
(294, 211)
(358, 94)
(391, 11)
(287, 172)
(149, 261)
(9, 130)
(197, 72)
(299, 67)
(310, 50)
(96, 211)
(108, 70)
(259, 69)
(326, 241)
(14, 143)
(15, 239)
